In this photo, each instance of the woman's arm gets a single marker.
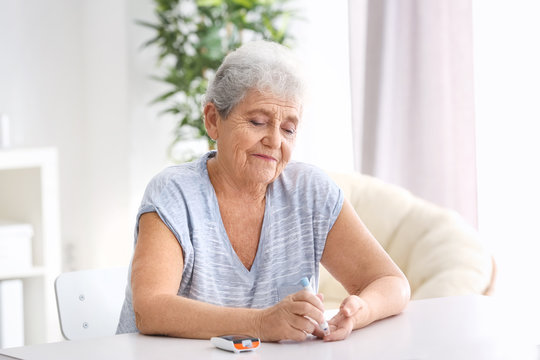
(155, 280)
(377, 286)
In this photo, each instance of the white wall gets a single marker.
(325, 138)
(150, 133)
(107, 134)
(41, 89)
(507, 88)
(73, 75)
(64, 83)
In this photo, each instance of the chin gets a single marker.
(264, 177)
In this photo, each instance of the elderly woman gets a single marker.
(222, 242)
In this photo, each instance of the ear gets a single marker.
(211, 120)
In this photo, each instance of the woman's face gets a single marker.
(256, 140)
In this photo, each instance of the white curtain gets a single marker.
(415, 127)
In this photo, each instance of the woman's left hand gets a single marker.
(353, 310)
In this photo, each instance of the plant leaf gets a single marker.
(207, 3)
(191, 45)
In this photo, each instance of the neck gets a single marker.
(226, 185)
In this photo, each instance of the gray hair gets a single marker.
(258, 65)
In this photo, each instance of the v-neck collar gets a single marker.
(246, 274)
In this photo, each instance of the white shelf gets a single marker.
(11, 274)
(29, 194)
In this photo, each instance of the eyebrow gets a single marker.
(270, 114)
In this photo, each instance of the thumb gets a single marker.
(350, 305)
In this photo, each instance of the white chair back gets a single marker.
(89, 301)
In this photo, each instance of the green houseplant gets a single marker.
(193, 36)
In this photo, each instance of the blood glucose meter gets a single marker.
(236, 343)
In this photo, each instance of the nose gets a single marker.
(272, 138)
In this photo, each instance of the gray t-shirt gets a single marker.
(302, 205)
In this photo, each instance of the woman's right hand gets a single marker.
(293, 318)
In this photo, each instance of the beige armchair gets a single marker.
(439, 253)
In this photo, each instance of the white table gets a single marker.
(466, 327)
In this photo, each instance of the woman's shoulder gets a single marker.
(180, 175)
(174, 173)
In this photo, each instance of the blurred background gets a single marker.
(440, 97)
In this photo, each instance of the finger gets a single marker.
(304, 308)
(318, 332)
(302, 323)
(317, 329)
(340, 331)
(350, 306)
(337, 334)
(336, 319)
(300, 328)
(295, 335)
(304, 295)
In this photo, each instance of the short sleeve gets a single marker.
(327, 204)
(164, 196)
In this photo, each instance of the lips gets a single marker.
(265, 157)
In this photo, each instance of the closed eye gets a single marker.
(256, 123)
(290, 131)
